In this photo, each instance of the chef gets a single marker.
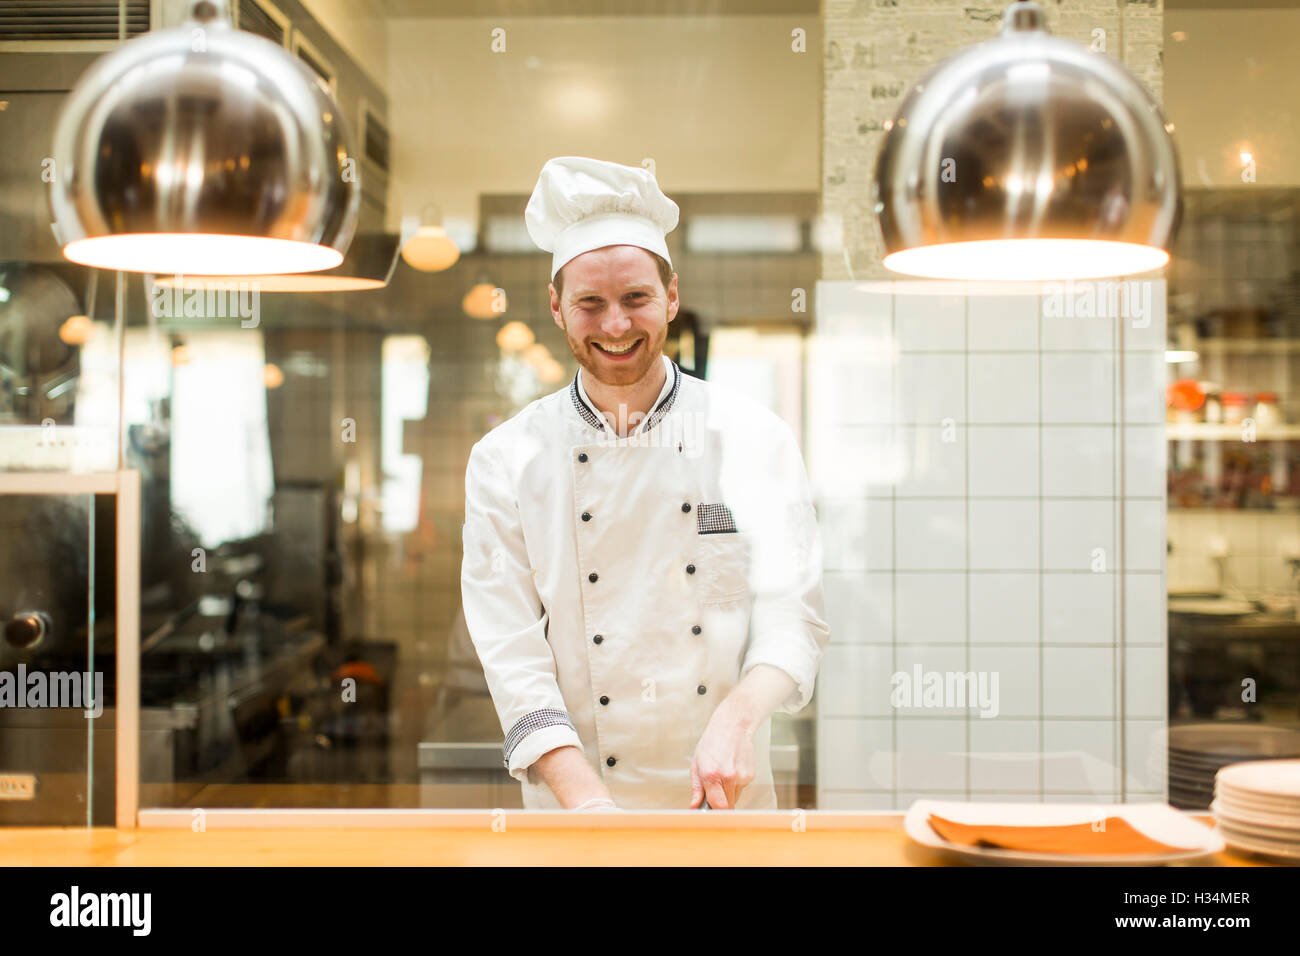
(642, 562)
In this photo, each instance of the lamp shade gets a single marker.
(203, 149)
(1027, 157)
(369, 264)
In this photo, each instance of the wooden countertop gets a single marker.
(605, 846)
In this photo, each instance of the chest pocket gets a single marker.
(725, 560)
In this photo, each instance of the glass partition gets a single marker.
(1055, 524)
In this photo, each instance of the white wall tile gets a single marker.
(1147, 760)
(927, 323)
(931, 388)
(931, 534)
(1000, 322)
(1017, 685)
(1145, 608)
(854, 680)
(1078, 387)
(930, 659)
(1078, 608)
(1004, 755)
(1078, 460)
(1003, 387)
(931, 608)
(1003, 460)
(1144, 323)
(1079, 756)
(1145, 684)
(1144, 387)
(1144, 535)
(1074, 530)
(855, 753)
(1074, 332)
(856, 534)
(844, 309)
(1145, 453)
(931, 754)
(855, 380)
(859, 606)
(1004, 535)
(1078, 682)
(931, 466)
(853, 461)
(1004, 608)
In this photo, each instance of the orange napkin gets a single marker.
(1114, 837)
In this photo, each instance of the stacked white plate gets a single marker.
(1197, 751)
(1257, 806)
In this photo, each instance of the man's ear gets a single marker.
(556, 314)
(673, 301)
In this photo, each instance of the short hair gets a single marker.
(665, 273)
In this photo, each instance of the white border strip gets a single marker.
(405, 819)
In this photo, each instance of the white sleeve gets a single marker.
(788, 627)
(506, 619)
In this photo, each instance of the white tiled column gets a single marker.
(990, 482)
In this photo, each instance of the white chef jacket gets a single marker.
(617, 589)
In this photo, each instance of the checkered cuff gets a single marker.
(532, 722)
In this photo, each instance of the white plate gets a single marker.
(1231, 798)
(1279, 779)
(1159, 821)
(1264, 834)
(1241, 842)
(1226, 810)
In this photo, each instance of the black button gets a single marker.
(700, 689)
(582, 456)
(690, 569)
(604, 700)
(598, 638)
(610, 761)
(685, 506)
(586, 516)
(592, 577)
(695, 629)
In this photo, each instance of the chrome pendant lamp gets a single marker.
(1027, 158)
(202, 149)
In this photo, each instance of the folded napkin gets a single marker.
(1113, 837)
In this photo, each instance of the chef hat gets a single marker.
(580, 204)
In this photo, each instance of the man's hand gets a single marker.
(723, 765)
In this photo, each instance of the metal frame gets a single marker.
(125, 484)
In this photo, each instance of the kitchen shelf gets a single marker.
(1211, 431)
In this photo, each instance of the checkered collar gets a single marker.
(663, 405)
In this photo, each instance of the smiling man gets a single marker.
(642, 564)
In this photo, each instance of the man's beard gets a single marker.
(618, 373)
